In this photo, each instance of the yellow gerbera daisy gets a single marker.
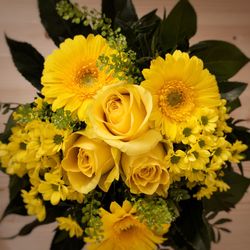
(122, 231)
(180, 88)
(71, 76)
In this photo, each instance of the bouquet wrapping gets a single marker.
(129, 143)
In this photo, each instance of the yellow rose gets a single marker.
(89, 162)
(146, 173)
(119, 116)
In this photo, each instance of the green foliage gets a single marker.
(4, 137)
(57, 28)
(121, 12)
(231, 106)
(178, 194)
(190, 231)
(178, 27)
(221, 58)
(25, 114)
(231, 90)
(62, 119)
(51, 214)
(6, 107)
(69, 11)
(62, 241)
(224, 201)
(16, 205)
(28, 61)
(217, 227)
(91, 217)
(155, 212)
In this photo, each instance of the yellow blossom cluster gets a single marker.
(35, 149)
(70, 225)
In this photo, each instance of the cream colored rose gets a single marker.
(88, 163)
(119, 115)
(146, 173)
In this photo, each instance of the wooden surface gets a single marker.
(217, 19)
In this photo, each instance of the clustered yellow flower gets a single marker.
(170, 127)
(70, 225)
(34, 149)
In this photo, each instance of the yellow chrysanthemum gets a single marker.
(44, 139)
(180, 88)
(123, 231)
(71, 76)
(34, 204)
(53, 188)
(70, 225)
(237, 150)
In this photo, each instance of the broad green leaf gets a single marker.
(190, 231)
(123, 15)
(57, 28)
(231, 106)
(16, 205)
(147, 23)
(221, 58)
(226, 200)
(28, 61)
(4, 137)
(119, 11)
(179, 26)
(62, 241)
(231, 90)
(146, 36)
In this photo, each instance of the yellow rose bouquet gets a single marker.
(129, 141)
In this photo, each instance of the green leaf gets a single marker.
(57, 28)
(147, 23)
(224, 229)
(226, 200)
(222, 221)
(231, 90)
(16, 205)
(231, 106)
(119, 11)
(52, 212)
(221, 58)
(178, 27)
(4, 137)
(145, 37)
(62, 241)
(190, 230)
(27, 60)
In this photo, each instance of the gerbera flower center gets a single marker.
(86, 75)
(176, 100)
(125, 225)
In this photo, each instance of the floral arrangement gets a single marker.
(129, 140)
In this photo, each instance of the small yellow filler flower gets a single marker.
(70, 225)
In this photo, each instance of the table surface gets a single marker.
(217, 19)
